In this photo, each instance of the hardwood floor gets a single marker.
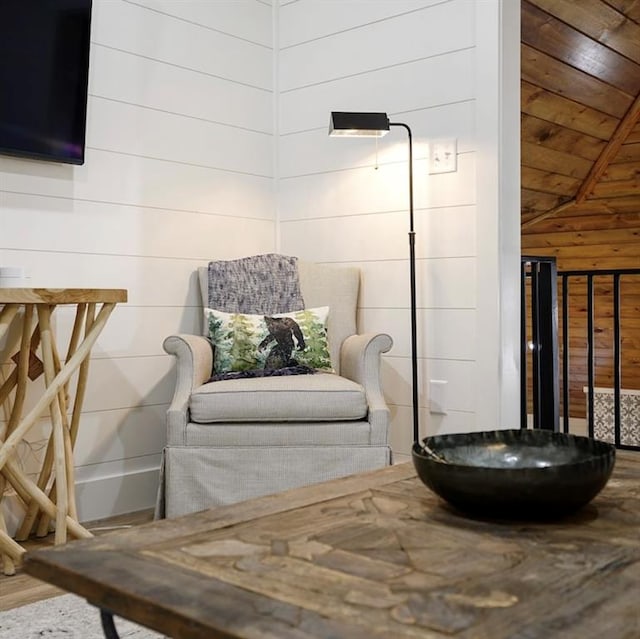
(21, 589)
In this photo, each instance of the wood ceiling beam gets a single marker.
(621, 133)
(547, 214)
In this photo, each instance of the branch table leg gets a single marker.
(70, 432)
(57, 473)
(55, 410)
(19, 382)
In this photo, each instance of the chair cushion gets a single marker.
(321, 285)
(266, 283)
(245, 342)
(318, 397)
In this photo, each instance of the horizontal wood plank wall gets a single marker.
(179, 170)
(345, 201)
(571, 105)
(580, 240)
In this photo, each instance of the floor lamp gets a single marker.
(375, 125)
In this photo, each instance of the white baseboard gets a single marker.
(99, 497)
(117, 494)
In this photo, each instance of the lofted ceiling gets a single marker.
(580, 110)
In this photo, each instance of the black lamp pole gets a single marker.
(350, 124)
(412, 283)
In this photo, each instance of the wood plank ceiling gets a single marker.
(580, 163)
(580, 135)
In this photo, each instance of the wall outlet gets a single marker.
(443, 156)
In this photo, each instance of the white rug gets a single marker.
(65, 617)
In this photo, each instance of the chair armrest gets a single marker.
(360, 362)
(194, 355)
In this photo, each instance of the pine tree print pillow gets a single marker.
(259, 342)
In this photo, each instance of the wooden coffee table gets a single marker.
(371, 556)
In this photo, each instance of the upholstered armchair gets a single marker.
(232, 439)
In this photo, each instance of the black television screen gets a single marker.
(44, 70)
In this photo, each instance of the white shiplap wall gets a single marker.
(345, 200)
(179, 169)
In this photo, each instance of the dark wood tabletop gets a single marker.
(370, 556)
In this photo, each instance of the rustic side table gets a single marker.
(25, 331)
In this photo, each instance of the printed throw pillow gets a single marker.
(257, 342)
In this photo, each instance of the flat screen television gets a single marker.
(44, 71)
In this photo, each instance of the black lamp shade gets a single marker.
(358, 125)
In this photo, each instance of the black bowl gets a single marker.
(515, 474)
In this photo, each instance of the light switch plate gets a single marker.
(438, 396)
(443, 156)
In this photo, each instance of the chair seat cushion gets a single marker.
(319, 397)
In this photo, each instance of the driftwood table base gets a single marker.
(30, 348)
(372, 556)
